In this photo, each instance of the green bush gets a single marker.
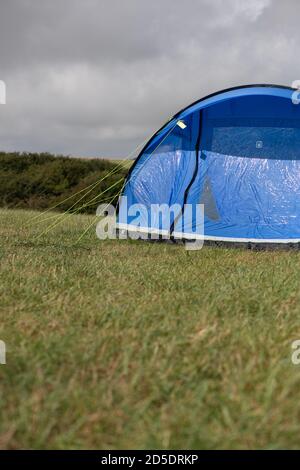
(41, 181)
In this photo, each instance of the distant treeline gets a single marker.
(41, 180)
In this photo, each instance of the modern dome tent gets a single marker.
(237, 152)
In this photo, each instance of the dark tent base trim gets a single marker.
(261, 246)
(240, 245)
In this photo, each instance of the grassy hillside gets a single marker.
(41, 181)
(122, 344)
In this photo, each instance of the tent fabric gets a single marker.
(238, 154)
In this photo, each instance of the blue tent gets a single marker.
(238, 153)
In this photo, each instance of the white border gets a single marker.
(188, 236)
(195, 236)
(253, 240)
(136, 228)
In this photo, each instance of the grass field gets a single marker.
(126, 344)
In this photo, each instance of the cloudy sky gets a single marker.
(96, 77)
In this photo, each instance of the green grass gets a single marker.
(126, 344)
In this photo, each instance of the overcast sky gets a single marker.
(96, 77)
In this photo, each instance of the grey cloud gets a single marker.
(95, 77)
